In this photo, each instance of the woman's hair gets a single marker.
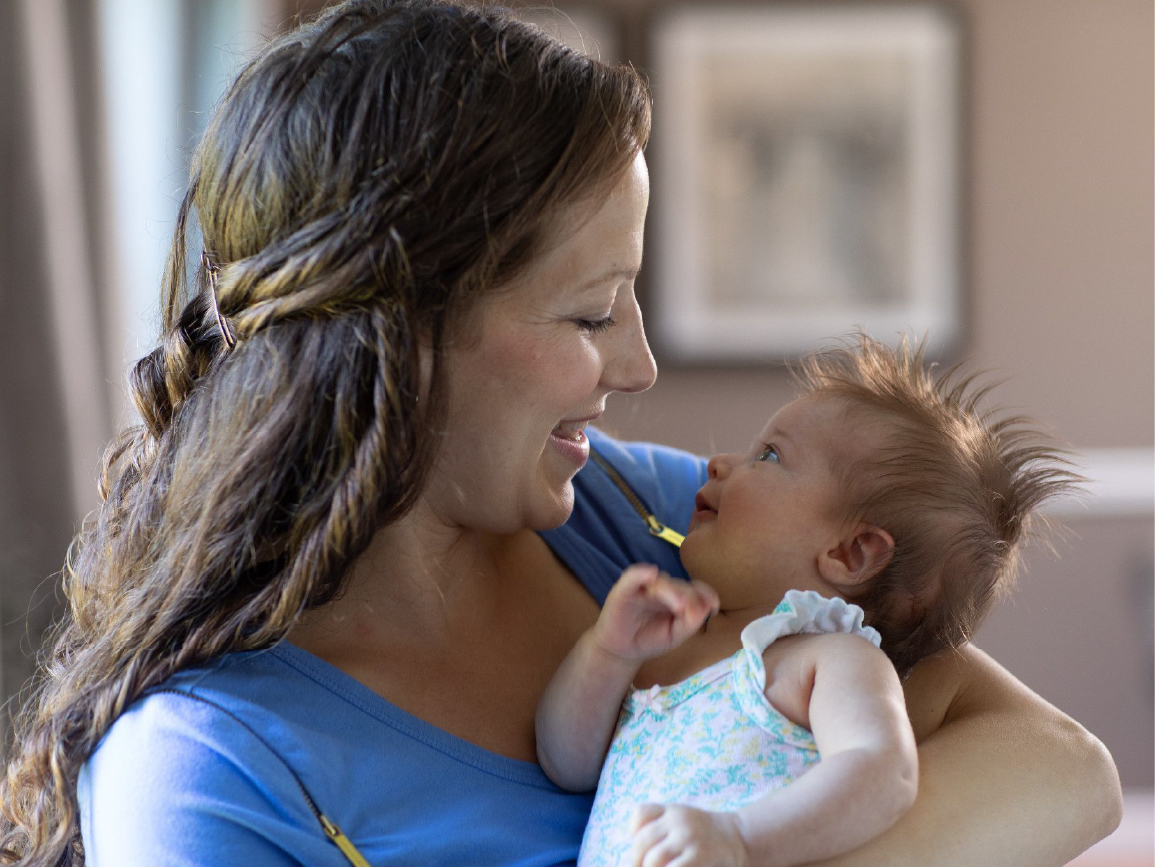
(955, 483)
(364, 182)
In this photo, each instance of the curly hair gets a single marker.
(957, 484)
(365, 181)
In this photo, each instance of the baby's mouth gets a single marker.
(703, 511)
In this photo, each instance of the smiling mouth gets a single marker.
(573, 431)
(569, 440)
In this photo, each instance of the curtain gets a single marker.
(54, 389)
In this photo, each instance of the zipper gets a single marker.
(657, 528)
(343, 843)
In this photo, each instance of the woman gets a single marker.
(315, 595)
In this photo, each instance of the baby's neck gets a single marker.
(719, 638)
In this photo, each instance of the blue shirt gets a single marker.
(178, 780)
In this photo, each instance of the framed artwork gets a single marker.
(805, 178)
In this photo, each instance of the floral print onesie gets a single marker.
(712, 741)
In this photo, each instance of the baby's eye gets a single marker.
(770, 453)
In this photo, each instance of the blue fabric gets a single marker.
(180, 782)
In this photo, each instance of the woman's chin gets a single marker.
(552, 509)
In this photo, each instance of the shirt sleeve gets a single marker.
(178, 782)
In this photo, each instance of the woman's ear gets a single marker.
(857, 557)
(425, 358)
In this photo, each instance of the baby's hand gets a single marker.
(687, 837)
(647, 613)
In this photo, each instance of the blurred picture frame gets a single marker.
(806, 178)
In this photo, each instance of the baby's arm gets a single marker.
(645, 614)
(847, 693)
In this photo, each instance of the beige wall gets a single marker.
(1058, 253)
(1058, 270)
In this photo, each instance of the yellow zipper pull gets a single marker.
(657, 528)
(343, 843)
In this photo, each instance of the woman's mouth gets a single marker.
(570, 440)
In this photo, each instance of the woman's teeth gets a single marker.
(569, 433)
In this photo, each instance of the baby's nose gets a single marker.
(719, 466)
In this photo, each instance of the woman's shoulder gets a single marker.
(662, 471)
(193, 768)
(664, 479)
(236, 711)
(225, 764)
(280, 707)
(605, 533)
(171, 739)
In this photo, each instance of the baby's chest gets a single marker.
(715, 744)
(694, 655)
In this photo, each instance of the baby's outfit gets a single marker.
(712, 741)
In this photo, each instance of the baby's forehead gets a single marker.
(846, 430)
(813, 413)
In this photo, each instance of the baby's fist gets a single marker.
(648, 613)
(686, 836)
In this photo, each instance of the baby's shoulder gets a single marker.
(799, 658)
(794, 662)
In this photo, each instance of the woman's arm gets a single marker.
(1005, 779)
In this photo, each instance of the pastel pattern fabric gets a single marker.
(712, 741)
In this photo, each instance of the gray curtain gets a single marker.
(37, 494)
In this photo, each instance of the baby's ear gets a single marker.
(858, 556)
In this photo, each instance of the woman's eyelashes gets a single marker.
(769, 453)
(595, 326)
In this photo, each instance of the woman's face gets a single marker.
(541, 358)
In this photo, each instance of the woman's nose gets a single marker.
(632, 367)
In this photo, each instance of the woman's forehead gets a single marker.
(594, 242)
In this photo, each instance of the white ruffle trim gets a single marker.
(805, 612)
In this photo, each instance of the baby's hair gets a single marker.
(956, 484)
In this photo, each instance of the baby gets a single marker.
(882, 496)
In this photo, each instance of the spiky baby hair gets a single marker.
(956, 483)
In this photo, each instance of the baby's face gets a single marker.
(764, 517)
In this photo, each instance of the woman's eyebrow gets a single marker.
(617, 273)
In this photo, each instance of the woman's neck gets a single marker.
(417, 577)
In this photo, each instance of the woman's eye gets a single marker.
(595, 326)
(770, 453)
